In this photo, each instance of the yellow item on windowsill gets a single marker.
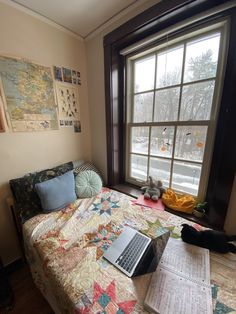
(181, 203)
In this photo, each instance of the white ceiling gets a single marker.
(82, 17)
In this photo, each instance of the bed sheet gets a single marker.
(65, 253)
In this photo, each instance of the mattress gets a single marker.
(65, 252)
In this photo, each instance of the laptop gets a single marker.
(136, 254)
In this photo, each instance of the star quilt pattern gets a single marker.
(65, 252)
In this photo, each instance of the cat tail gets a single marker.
(232, 248)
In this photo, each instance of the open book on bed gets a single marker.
(181, 283)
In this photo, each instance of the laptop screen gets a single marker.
(153, 254)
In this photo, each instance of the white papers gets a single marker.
(181, 283)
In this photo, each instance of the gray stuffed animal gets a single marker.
(153, 190)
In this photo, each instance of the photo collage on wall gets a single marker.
(68, 105)
(67, 97)
(66, 75)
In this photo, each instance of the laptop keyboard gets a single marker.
(129, 256)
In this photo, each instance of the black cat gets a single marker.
(210, 239)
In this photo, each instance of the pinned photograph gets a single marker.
(67, 75)
(57, 73)
(77, 126)
(74, 77)
(78, 78)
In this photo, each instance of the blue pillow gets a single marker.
(57, 193)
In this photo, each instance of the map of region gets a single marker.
(29, 95)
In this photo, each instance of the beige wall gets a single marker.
(25, 36)
(96, 88)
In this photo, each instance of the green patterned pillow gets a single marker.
(87, 184)
(23, 189)
(86, 166)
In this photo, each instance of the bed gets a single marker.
(65, 249)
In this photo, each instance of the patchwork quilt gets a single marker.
(65, 253)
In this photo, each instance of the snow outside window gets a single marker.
(172, 112)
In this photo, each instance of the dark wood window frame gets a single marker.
(153, 20)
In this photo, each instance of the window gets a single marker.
(172, 98)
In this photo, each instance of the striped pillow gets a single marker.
(87, 166)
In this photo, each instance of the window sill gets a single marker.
(134, 191)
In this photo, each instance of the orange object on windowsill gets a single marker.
(182, 203)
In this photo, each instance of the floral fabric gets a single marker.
(26, 198)
(65, 252)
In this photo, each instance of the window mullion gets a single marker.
(132, 93)
(176, 85)
(154, 93)
(153, 110)
(175, 131)
(131, 117)
(172, 123)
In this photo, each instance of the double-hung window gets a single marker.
(172, 103)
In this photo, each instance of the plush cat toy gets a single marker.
(153, 190)
(210, 239)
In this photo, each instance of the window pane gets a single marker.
(162, 141)
(166, 105)
(143, 104)
(190, 142)
(144, 74)
(196, 101)
(139, 140)
(201, 58)
(186, 177)
(159, 169)
(169, 67)
(139, 167)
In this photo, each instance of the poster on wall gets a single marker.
(68, 105)
(28, 95)
(2, 127)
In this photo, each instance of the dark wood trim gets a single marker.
(17, 223)
(14, 266)
(223, 167)
(159, 17)
(109, 116)
(147, 19)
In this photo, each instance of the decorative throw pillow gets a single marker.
(78, 163)
(87, 184)
(23, 189)
(87, 166)
(57, 193)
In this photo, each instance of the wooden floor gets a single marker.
(28, 299)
